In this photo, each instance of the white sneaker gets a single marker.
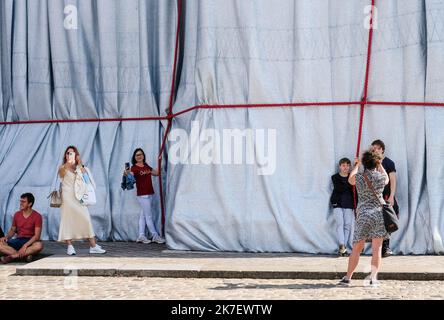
(158, 239)
(96, 249)
(375, 283)
(143, 239)
(71, 251)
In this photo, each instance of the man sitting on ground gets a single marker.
(27, 225)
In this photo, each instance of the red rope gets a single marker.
(369, 52)
(176, 50)
(366, 80)
(170, 110)
(236, 106)
(361, 122)
(398, 103)
(159, 166)
(365, 93)
(265, 105)
(170, 116)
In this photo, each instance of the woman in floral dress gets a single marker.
(369, 222)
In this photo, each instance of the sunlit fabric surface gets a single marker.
(119, 62)
(240, 52)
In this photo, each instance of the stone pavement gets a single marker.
(146, 288)
(183, 276)
(154, 260)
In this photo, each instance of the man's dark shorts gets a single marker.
(17, 243)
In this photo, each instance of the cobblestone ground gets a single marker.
(42, 287)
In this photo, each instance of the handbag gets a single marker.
(55, 198)
(391, 221)
(88, 197)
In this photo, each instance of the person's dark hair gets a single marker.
(380, 144)
(75, 151)
(133, 159)
(29, 197)
(345, 160)
(370, 159)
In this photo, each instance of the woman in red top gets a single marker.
(142, 173)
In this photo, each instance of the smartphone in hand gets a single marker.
(127, 165)
(71, 157)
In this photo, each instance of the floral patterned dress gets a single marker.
(369, 221)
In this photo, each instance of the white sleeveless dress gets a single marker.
(75, 221)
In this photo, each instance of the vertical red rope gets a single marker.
(176, 50)
(364, 99)
(170, 111)
(366, 81)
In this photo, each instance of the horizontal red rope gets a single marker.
(399, 103)
(266, 105)
(233, 106)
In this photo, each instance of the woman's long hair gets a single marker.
(133, 159)
(75, 151)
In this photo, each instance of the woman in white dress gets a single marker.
(75, 222)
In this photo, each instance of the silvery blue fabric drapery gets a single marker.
(119, 61)
(239, 52)
(77, 60)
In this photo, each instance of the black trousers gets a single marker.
(386, 242)
(1, 233)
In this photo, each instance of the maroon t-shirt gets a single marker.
(26, 226)
(143, 179)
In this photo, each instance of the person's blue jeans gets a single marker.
(345, 220)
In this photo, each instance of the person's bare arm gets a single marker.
(384, 173)
(9, 235)
(155, 172)
(36, 237)
(126, 172)
(393, 181)
(352, 177)
(62, 171)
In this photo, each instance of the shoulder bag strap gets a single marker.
(369, 184)
(58, 178)
(88, 172)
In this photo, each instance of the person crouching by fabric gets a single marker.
(342, 202)
(27, 226)
(145, 192)
(369, 225)
(75, 221)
